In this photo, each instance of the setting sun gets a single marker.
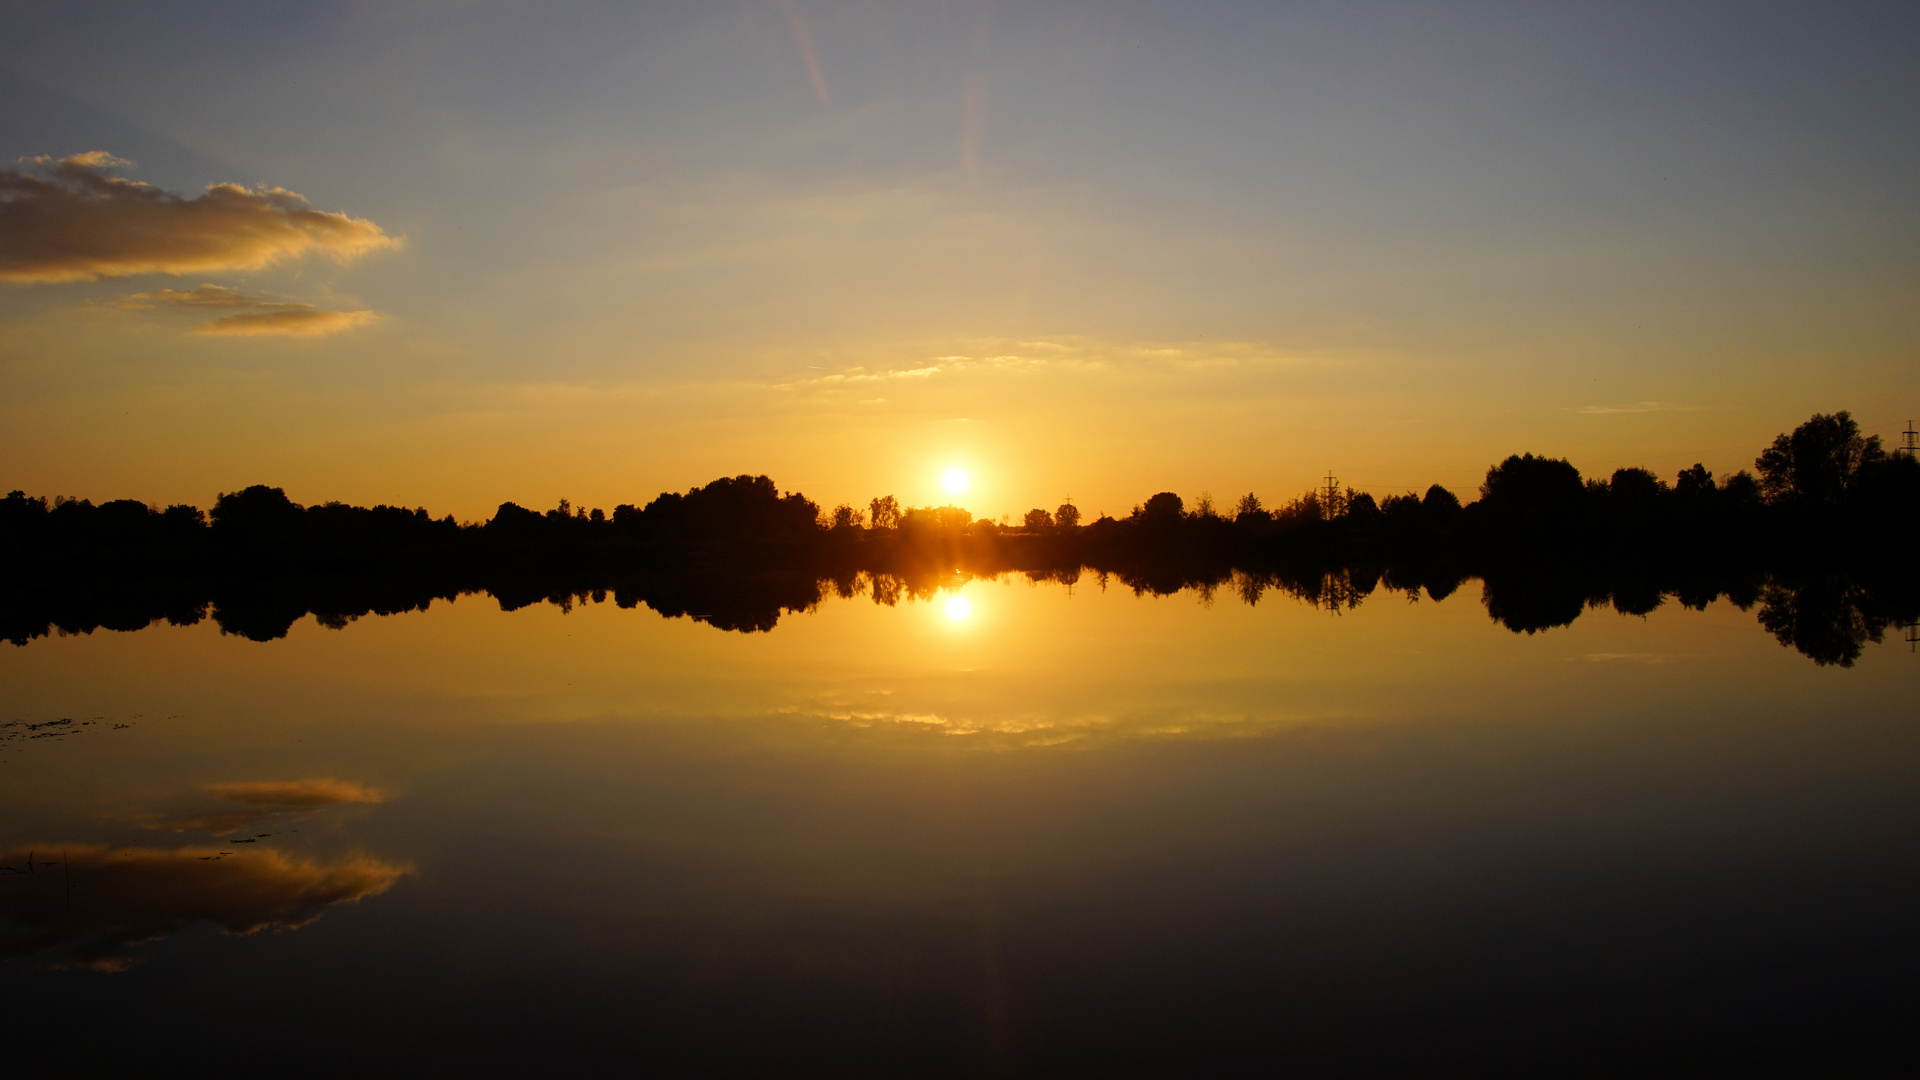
(958, 608)
(955, 481)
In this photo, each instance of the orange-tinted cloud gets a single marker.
(294, 323)
(251, 316)
(91, 904)
(71, 220)
(324, 792)
(262, 800)
(206, 296)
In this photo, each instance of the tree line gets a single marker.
(1823, 478)
(738, 552)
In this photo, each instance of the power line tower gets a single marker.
(1330, 499)
(1908, 448)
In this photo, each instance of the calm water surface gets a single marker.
(1008, 829)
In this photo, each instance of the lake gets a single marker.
(1002, 827)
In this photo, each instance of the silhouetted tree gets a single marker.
(1163, 507)
(1694, 500)
(1635, 500)
(936, 518)
(1636, 487)
(1067, 516)
(1440, 504)
(1038, 520)
(884, 512)
(1404, 508)
(1694, 483)
(515, 522)
(1307, 507)
(1528, 495)
(1886, 494)
(734, 513)
(1741, 490)
(258, 520)
(1817, 462)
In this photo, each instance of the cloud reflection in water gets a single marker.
(259, 800)
(90, 904)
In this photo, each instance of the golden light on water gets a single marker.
(955, 481)
(958, 609)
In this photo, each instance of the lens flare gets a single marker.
(955, 481)
(958, 608)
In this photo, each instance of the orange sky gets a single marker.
(1086, 251)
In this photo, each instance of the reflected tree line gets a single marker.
(1814, 538)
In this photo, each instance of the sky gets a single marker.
(448, 254)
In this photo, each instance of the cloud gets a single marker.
(807, 54)
(1189, 362)
(323, 792)
(206, 296)
(286, 323)
(262, 800)
(251, 315)
(121, 897)
(70, 220)
(1637, 407)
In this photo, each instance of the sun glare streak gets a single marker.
(955, 481)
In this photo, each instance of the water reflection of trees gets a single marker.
(1830, 619)
(1828, 612)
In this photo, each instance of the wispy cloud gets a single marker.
(321, 792)
(72, 220)
(1637, 407)
(804, 39)
(206, 296)
(256, 801)
(285, 323)
(1079, 355)
(249, 315)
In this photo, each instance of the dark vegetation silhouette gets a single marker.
(1815, 538)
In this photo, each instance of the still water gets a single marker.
(1003, 829)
